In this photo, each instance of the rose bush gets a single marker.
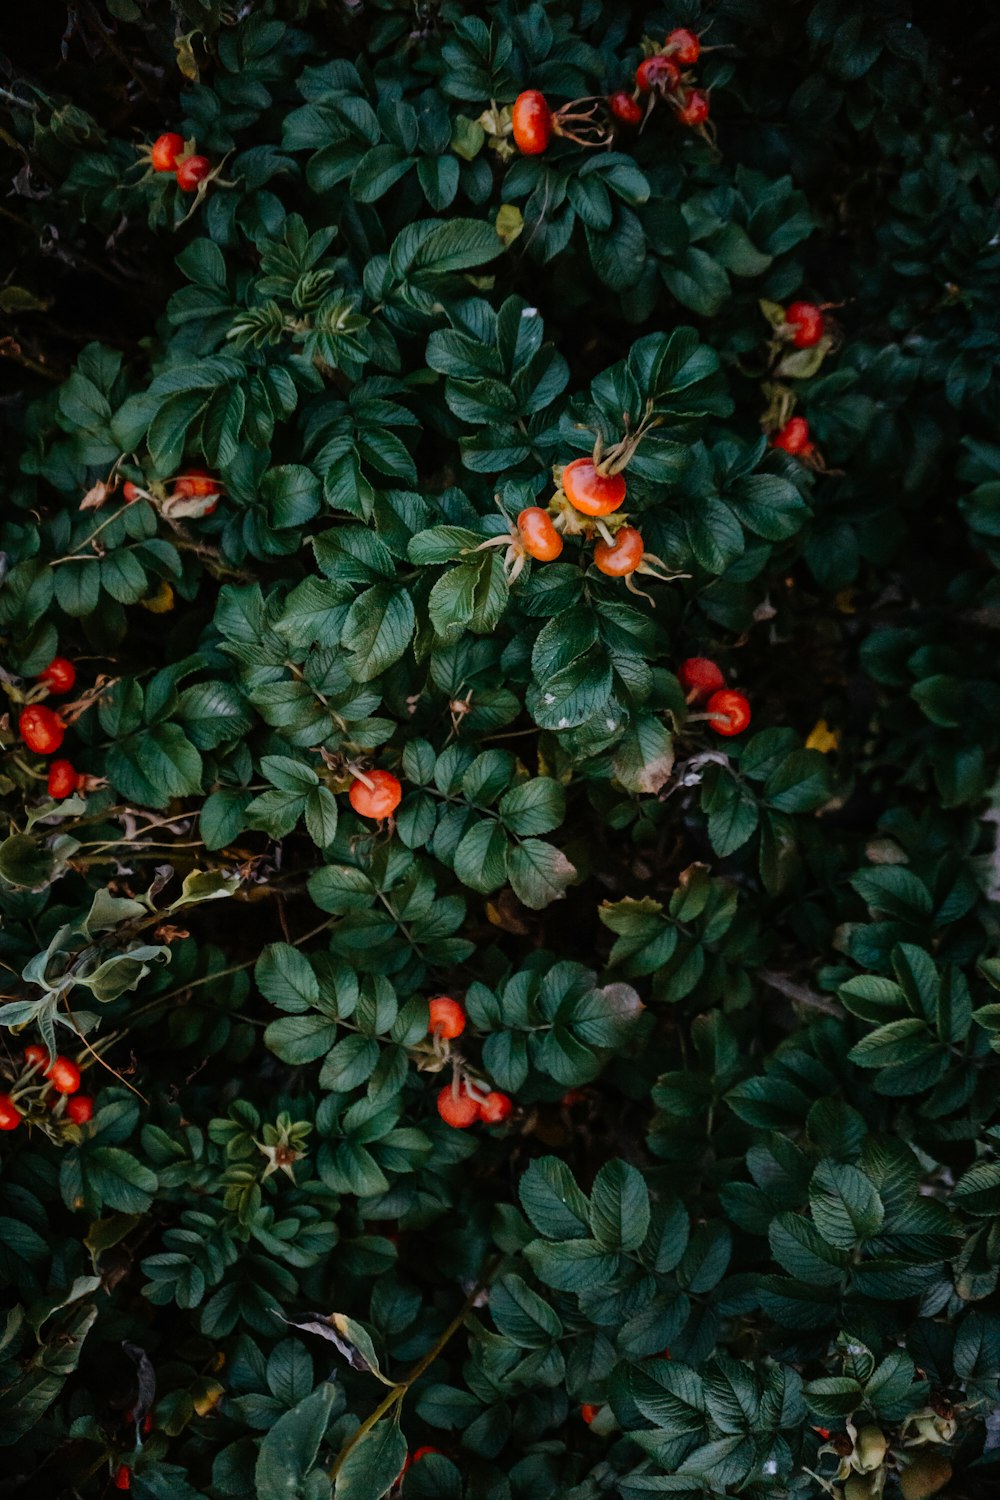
(498, 607)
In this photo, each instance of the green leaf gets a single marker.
(538, 872)
(552, 1201)
(846, 1206)
(290, 1448)
(535, 806)
(619, 1207)
(372, 1465)
(378, 630)
(571, 1265)
(155, 765)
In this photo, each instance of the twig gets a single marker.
(798, 992)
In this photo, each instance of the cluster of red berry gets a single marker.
(803, 327)
(726, 711)
(662, 76)
(169, 153)
(462, 1102)
(43, 731)
(594, 495)
(63, 1076)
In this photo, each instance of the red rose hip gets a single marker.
(699, 675)
(794, 438)
(60, 674)
(694, 109)
(447, 1018)
(165, 151)
(621, 557)
(460, 1111)
(64, 1076)
(730, 712)
(80, 1109)
(380, 799)
(192, 171)
(41, 729)
(590, 493)
(495, 1108)
(539, 537)
(64, 779)
(808, 322)
(683, 45)
(657, 73)
(531, 122)
(624, 108)
(10, 1115)
(196, 482)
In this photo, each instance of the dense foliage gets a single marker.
(277, 395)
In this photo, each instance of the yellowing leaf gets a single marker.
(822, 738)
(509, 222)
(186, 59)
(160, 602)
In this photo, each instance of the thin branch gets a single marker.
(799, 993)
(398, 1392)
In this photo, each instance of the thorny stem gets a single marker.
(399, 1391)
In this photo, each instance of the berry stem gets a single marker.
(398, 1392)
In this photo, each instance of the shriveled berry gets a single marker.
(447, 1018)
(730, 710)
(64, 1076)
(191, 171)
(588, 1412)
(130, 492)
(123, 1477)
(658, 73)
(458, 1110)
(165, 151)
(380, 799)
(622, 557)
(808, 321)
(700, 675)
(683, 45)
(60, 674)
(10, 1115)
(694, 109)
(64, 779)
(80, 1109)
(590, 493)
(532, 123)
(624, 108)
(495, 1108)
(539, 537)
(41, 729)
(36, 1056)
(794, 438)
